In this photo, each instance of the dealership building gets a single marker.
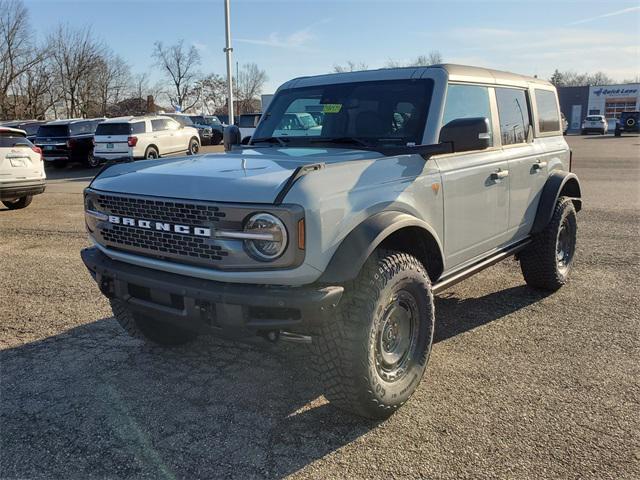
(608, 100)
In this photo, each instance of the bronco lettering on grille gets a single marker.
(161, 226)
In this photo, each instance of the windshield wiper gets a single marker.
(279, 140)
(345, 140)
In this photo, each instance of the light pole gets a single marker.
(228, 50)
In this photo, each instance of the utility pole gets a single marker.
(228, 50)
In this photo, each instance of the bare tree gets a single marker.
(573, 79)
(249, 85)
(351, 66)
(213, 94)
(17, 53)
(76, 56)
(180, 65)
(112, 78)
(434, 58)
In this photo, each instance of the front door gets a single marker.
(475, 185)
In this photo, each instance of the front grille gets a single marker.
(160, 210)
(163, 242)
(183, 248)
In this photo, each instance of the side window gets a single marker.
(158, 125)
(467, 101)
(548, 120)
(138, 127)
(513, 111)
(172, 125)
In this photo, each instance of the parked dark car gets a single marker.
(628, 122)
(204, 131)
(211, 122)
(29, 126)
(64, 141)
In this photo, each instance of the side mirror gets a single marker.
(231, 137)
(467, 134)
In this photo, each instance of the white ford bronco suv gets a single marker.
(407, 181)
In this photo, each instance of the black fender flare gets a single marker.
(558, 182)
(359, 244)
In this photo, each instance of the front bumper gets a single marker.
(209, 306)
(13, 190)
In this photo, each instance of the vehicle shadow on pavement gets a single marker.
(94, 402)
(457, 315)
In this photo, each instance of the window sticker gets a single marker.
(331, 107)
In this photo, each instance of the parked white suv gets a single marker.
(130, 138)
(21, 169)
(594, 123)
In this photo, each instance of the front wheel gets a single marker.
(148, 329)
(373, 353)
(194, 146)
(547, 261)
(19, 203)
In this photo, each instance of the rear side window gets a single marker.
(159, 125)
(548, 118)
(113, 129)
(81, 128)
(12, 140)
(138, 127)
(466, 101)
(513, 111)
(53, 131)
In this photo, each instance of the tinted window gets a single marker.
(159, 125)
(138, 127)
(81, 128)
(548, 120)
(113, 129)
(467, 101)
(514, 115)
(53, 131)
(248, 121)
(13, 140)
(377, 113)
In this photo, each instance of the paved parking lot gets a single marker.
(520, 384)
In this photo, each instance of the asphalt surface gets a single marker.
(520, 384)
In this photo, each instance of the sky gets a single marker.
(308, 37)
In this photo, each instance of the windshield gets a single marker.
(369, 114)
(113, 129)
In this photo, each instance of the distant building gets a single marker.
(608, 100)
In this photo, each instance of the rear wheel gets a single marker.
(91, 161)
(151, 153)
(547, 261)
(194, 146)
(19, 203)
(148, 329)
(373, 353)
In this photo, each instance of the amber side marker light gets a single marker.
(301, 234)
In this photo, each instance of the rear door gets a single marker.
(475, 184)
(18, 161)
(112, 138)
(527, 170)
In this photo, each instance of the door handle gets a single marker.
(539, 165)
(499, 174)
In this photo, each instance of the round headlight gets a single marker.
(269, 237)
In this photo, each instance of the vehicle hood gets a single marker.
(247, 176)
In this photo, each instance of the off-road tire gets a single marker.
(194, 146)
(150, 330)
(347, 358)
(21, 202)
(91, 161)
(539, 261)
(151, 153)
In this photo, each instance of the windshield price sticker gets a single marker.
(331, 107)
